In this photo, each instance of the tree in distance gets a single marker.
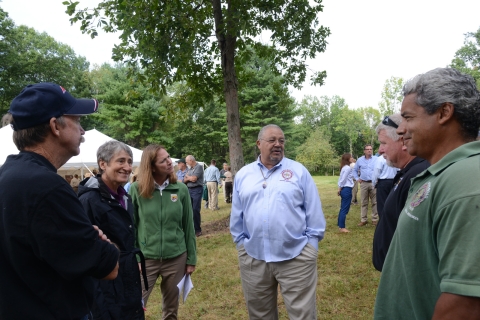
(467, 58)
(201, 43)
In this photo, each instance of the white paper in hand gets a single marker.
(184, 287)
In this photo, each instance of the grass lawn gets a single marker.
(347, 281)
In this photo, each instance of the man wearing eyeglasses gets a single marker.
(365, 166)
(432, 269)
(276, 223)
(396, 156)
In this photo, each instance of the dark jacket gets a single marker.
(393, 207)
(49, 252)
(120, 298)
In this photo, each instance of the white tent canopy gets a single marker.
(88, 150)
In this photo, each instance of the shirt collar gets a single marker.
(163, 186)
(464, 151)
(260, 164)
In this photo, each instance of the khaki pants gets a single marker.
(367, 191)
(171, 271)
(297, 279)
(354, 192)
(212, 187)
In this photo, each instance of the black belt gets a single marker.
(384, 179)
(366, 180)
(195, 187)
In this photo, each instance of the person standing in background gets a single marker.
(345, 185)
(228, 184)
(365, 166)
(194, 181)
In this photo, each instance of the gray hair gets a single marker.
(190, 157)
(441, 85)
(389, 130)
(262, 131)
(110, 148)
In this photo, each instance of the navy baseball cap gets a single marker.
(182, 160)
(40, 102)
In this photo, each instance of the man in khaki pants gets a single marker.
(277, 222)
(365, 165)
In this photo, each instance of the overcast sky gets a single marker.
(371, 40)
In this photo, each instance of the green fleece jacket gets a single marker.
(164, 223)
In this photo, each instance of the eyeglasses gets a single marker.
(388, 122)
(272, 141)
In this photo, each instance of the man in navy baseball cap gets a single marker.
(40, 102)
(44, 224)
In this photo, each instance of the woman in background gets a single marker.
(228, 184)
(345, 185)
(164, 222)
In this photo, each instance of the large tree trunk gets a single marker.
(226, 43)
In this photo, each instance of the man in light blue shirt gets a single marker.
(182, 169)
(382, 180)
(211, 177)
(277, 222)
(365, 165)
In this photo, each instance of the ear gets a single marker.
(445, 112)
(258, 144)
(103, 165)
(54, 127)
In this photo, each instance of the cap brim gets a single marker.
(83, 107)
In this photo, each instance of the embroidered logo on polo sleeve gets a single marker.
(174, 197)
(420, 195)
(287, 174)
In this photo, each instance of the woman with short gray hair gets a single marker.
(110, 208)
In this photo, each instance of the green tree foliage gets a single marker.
(264, 99)
(128, 112)
(198, 42)
(392, 96)
(316, 154)
(29, 57)
(467, 58)
(349, 129)
(371, 119)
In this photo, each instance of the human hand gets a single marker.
(101, 235)
(189, 269)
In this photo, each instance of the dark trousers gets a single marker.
(346, 195)
(383, 189)
(196, 197)
(228, 191)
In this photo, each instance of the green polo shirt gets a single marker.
(436, 247)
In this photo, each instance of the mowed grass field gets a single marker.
(347, 281)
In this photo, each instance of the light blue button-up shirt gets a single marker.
(181, 175)
(365, 166)
(275, 223)
(211, 174)
(382, 170)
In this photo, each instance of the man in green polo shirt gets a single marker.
(432, 269)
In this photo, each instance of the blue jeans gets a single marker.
(196, 197)
(346, 195)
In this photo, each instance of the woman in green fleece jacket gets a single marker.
(164, 223)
